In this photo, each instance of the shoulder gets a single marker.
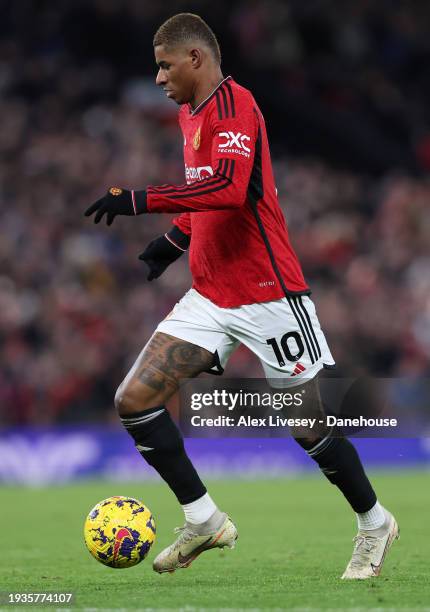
(232, 100)
(247, 104)
(240, 92)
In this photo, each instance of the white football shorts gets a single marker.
(284, 334)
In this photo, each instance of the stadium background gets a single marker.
(345, 91)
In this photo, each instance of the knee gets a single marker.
(123, 400)
(132, 397)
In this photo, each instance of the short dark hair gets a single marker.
(185, 27)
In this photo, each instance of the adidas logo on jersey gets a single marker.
(234, 143)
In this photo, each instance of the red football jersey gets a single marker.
(240, 252)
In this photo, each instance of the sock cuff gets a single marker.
(372, 519)
(200, 510)
(323, 445)
(141, 418)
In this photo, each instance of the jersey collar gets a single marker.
(208, 99)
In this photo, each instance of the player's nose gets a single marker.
(161, 77)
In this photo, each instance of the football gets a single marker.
(119, 531)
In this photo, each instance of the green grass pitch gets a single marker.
(294, 542)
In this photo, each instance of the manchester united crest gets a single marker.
(196, 139)
(115, 191)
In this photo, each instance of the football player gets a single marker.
(248, 288)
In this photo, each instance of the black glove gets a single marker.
(163, 251)
(118, 201)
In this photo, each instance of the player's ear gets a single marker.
(196, 58)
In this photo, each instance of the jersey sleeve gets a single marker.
(233, 132)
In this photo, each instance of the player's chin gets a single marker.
(176, 98)
(172, 96)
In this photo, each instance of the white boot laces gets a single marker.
(185, 535)
(364, 545)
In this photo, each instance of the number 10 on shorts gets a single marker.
(283, 351)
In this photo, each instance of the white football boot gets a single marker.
(218, 532)
(370, 550)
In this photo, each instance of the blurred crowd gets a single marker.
(80, 112)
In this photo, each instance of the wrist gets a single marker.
(139, 200)
(178, 238)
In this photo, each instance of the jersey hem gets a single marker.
(246, 302)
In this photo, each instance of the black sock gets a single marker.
(340, 463)
(159, 442)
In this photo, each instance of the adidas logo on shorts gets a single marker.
(298, 369)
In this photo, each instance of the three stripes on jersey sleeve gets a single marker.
(225, 101)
